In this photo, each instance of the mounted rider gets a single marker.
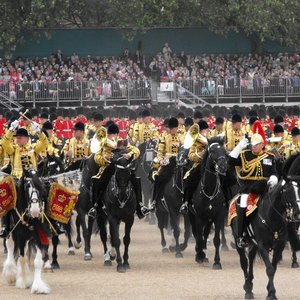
(77, 149)
(104, 158)
(165, 163)
(256, 169)
(23, 158)
(198, 133)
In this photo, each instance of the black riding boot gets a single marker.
(5, 227)
(187, 197)
(141, 209)
(94, 210)
(241, 221)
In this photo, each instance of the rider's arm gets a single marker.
(133, 151)
(7, 143)
(161, 148)
(41, 144)
(196, 152)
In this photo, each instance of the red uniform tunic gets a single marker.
(123, 127)
(57, 125)
(2, 126)
(67, 129)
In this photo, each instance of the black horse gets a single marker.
(120, 205)
(267, 230)
(168, 207)
(29, 226)
(208, 201)
(144, 163)
(292, 169)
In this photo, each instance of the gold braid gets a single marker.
(250, 167)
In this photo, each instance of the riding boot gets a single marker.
(187, 196)
(141, 209)
(94, 210)
(241, 220)
(5, 227)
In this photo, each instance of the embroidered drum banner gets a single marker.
(61, 203)
(8, 195)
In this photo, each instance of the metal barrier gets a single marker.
(78, 92)
(220, 90)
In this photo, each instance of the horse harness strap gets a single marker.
(217, 187)
(21, 219)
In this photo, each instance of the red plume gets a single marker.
(257, 128)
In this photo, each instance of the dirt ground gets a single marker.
(154, 275)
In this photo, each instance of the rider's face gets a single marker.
(173, 130)
(257, 148)
(78, 134)
(21, 140)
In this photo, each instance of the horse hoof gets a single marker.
(112, 254)
(249, 295)
(172, 249)
(165, 250)
(225, 248)
(108, 263)
(121, 269)
(271, 298)
(295, 265)
(71, 251)
(126, 266)
(201, 260)
(77, 245)
(88, 256)
(182, 247)
(178, 255)
(217, 266)
(55, 265)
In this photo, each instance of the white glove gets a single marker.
(239, 147)
(273, 180)
(35, 127)
(14, 125)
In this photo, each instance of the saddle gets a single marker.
(252, 203)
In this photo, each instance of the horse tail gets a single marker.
(293, 236)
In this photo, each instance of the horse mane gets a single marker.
(203, 162)
(289, 166)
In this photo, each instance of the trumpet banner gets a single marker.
(8, 195)
(61, 203)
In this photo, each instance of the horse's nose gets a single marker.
(35, 210)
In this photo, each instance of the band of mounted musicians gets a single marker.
(255, 149)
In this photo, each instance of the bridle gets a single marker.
(216, 173)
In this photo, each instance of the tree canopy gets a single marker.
(276, 20)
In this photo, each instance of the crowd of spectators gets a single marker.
(109, 76)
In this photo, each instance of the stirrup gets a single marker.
(4, 233)
(184, 208)
(92, 213)
(242, 243)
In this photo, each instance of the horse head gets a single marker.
(217, 155)
(34, 201)
(182, 157)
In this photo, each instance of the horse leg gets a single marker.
(248, 285)
(45, 253)
(294, 260)
(55, 242)
(38, 285)
(87, 248)
(217, 241)
(270, 270)
(4, 246)
(126, 241)
(161, 221)
(103, 236)
(68, 227)
(187, 232)
(78, 242)
(24, 279)
(223, 241)
(206, 232)
(9, 272)
(114, 226)
(174, 221)
(200, 244)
